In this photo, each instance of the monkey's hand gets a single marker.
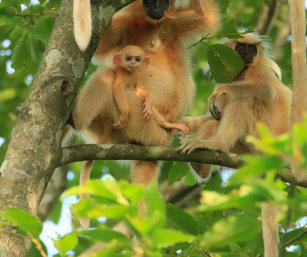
(182, 127)
(215, 100)
(123, 120)
(189, 144)
(147, 111)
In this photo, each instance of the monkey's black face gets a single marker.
(246, 51)
(155, 8)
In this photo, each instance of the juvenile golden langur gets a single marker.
(129, 62)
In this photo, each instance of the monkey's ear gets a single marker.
(116, 59)
(146, 61)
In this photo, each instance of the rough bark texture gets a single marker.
(34, 151)
(56, 186)
(298, 46)
(299, 70)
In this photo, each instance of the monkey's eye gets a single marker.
(240, 47)
(138, 59)
(128, 58)
(252, 48)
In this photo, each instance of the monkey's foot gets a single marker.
(189, 144)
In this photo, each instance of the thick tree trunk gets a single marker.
(34, 151)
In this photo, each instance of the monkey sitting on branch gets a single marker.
(256, 95)
(129, 62)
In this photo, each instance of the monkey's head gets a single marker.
(155, 8)
(131, 58)
(249, 48)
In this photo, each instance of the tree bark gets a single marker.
(298, 47)
(34, 151)
(299, 71)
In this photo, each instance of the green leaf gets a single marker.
(145, 225)
(231, 230)
(255, 166)
(114, 249)
(30, 224)
(133, 192)
(178, 171)
(111, 211)
(166, 237)
(66, 243)
(190, 178)
(225, 64)
(223, 4)
(7, 94)
(5, 30)
(154, 201)
(108, 189)
(105, 235)
(179, 219)
(20, 53)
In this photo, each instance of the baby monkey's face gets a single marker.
(132, 63)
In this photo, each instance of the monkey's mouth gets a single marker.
(132, 68)
(155, 15)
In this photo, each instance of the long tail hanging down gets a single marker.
(82, 23)
(270, 229)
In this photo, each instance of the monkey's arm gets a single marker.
(120, 99)
(89, 101)
(240, 89)
(109, 42)
(147, 111)
(199, 16)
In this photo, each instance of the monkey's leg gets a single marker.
(143, 172)
(270, 229)
(84, 177)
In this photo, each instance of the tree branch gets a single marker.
(294, 239)
(152, 153)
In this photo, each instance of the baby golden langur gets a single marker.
(256, 95)
(129, 62)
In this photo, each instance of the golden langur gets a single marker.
(163, 29)
(129, 62)
(82, 23)
(256, 95)
(167, 79)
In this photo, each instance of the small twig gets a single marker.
(294, 239)
(39, 247)
(203, 38)
(26, 15)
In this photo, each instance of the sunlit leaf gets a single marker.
(133, 192)
(66, 243)
(231, 230)
(30, 224)
(105, 235)
(225, 64)
(7, 94)
(166, 237)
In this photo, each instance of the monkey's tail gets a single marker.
(270, 229)
(82, 23)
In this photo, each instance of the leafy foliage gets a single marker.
(224, 218)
